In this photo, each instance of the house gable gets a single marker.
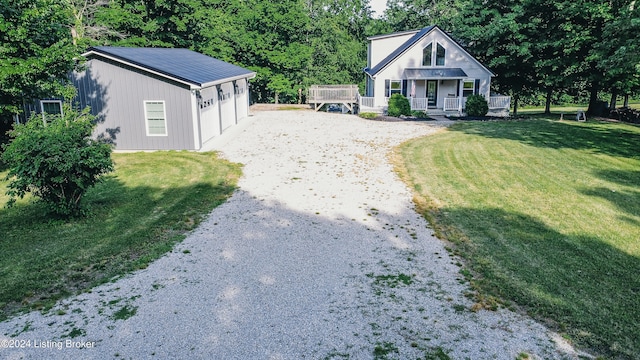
(410, 53)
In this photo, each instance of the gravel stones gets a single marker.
(318, 255)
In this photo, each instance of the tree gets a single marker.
(37, 52)
(54, 158)
(416, 14)
(498, 34)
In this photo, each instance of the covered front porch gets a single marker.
(437, 91)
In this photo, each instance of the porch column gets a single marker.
(460, 93)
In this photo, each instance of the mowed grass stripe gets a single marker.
(136, 215)
(547, 215)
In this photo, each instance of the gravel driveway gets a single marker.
(318, 255)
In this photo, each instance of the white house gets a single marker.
(430, 68)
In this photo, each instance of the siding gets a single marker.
(412, 58)
(116, 94)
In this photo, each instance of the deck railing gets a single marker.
(333, 93)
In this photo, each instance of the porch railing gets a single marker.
(419, 103)
(367, 101)
(452, 104)
(499, 102)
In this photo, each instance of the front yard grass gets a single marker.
(136, 215)
(546, 214)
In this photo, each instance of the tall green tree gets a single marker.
(498, 34)
(337, 35)
(36, 51)
(416, 14)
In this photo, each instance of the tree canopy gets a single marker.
(536, 48)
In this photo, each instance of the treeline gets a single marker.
(535, 47)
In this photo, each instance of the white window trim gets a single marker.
(473, 86)
(392, 90)
(42, 102)
(434, 54)
(146, 118)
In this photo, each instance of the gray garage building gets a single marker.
(161, 99)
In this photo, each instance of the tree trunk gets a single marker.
(593, 100)
(515, 105)
(547, 105)
(626, 100)
(276, 97)
(614, 99)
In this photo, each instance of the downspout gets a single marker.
(219, 90)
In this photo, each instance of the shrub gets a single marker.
(476, 105)
(398, 105)
(368, 115)
(56, 160)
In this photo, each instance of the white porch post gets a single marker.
(460, 94)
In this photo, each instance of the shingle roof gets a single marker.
(181, 64)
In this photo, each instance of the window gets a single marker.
(155, 118)
(468, 87)
(440, 55)
(392, 87)
(51, 107)
(426, 55)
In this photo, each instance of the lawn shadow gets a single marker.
(580, 284)
(604, 138)
(626, 200)
(126, 228)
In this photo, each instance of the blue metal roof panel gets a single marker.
(183, 64)
(399, 51)
(438, 73)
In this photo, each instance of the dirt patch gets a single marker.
(275, 107)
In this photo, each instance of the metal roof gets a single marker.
(399, 51)
(183, 65)
(440, 73)
(409, 43)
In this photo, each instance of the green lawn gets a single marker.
(547, 216)
(137, 214)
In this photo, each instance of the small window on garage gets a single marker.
(155, 116)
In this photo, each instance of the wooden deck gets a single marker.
(333, 94)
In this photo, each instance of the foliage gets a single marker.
(546, 214)
(398, 105)
(56, 160)
(369, 115)
(36, 53)
(476, 105)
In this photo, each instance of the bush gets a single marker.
(476, 105)
(369, 115)
(398, 105)
(56, 161)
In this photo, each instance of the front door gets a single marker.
(432, 93)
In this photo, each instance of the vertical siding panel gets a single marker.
(118, 92)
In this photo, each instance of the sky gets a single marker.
(378, 6)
